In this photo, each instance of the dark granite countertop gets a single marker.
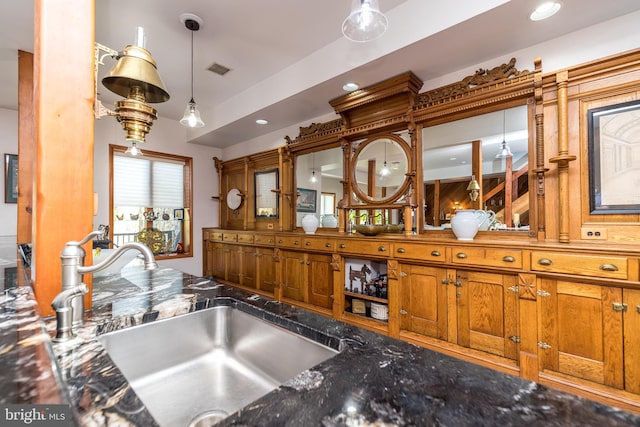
(374, 381)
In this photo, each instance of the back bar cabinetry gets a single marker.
(566, 317)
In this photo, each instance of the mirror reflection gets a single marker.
(379, 169)
(320, 174)
(449, 165)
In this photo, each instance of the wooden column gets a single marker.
(563, 158)
(64, 96)
(26, 146)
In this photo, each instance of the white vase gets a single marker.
(310, 223)
(465, 224)
(329, 221)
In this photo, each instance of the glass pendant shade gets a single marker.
(365, 22)
(504, 152)
(133, 150)
(191, 116)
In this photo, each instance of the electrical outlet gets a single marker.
(593, 233)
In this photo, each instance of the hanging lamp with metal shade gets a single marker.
(191, 117)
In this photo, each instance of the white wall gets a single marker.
(605, 39)
(166, 136)
(8, 145)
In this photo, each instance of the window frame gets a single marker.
(188, 193)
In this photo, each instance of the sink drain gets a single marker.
(208, 418)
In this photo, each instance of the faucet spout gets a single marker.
(149, 260)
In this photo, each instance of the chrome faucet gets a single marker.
(64, 311)
(72, 259)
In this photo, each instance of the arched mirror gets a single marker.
(379, 168)
(493, 148)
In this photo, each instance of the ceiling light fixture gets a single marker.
(350, 87)
(473, 188)
(365, 22)
(545, 10)
(262, 121)
(505, 151)
(191, 116)
(134, 150)
(313, 177)
(384, 172)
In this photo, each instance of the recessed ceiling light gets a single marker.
(262, 121)
(452, 158)
(545, 10)
(350, 87)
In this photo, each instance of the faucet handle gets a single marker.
(90, 236)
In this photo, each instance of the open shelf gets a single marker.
(366, 297)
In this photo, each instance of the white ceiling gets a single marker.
(288, 57)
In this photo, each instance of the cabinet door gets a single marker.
(248, 254)
(234, 263)
(207, 267)
(292, 275)
(218, 260)
(266, 269)
(487, 312)
(424, 300)
(581, 333)
(632, 341)
(320, 280)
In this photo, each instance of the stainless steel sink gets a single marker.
(196, 368)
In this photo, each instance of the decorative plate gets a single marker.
(234, 199)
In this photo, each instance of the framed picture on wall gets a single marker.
(306, 201)
(614, 157)
(11, 178)
(178, 214)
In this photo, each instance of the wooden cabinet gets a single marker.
(319, 278)
(266, 270)
(292, 271)
(486, 312)
(423, 306)
(248, 266)
(631, 321)
(581, 331)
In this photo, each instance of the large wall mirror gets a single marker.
(319, 185)
(379, 168)
(493, 148)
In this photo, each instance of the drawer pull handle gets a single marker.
(270, 240)
(401, 250)
(342, 246)
(327, 245)
(619, 306)
(280, 241)
(307, 243)
(301, 261)
(544, 261)
(608, 267)
(461, 255)
(435, 253)
(403, 274)
(381, 248)
(296, 243)
(508, 258)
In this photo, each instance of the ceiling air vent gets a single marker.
(219, 69)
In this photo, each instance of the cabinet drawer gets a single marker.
(213, 235)
(229, 237)
(319, 243)
(264, 239)
(583, 265)
(289, 241)
(363, 247)
(418, 251)
(245, 238)
(490, 257)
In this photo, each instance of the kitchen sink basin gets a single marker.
(197, 368)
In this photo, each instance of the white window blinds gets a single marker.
(147, 183)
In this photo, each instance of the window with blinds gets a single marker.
(151, 201)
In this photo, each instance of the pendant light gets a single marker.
(384, 172)
(191, 116)
(313, 178)
(505, 151)
(365, 22)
